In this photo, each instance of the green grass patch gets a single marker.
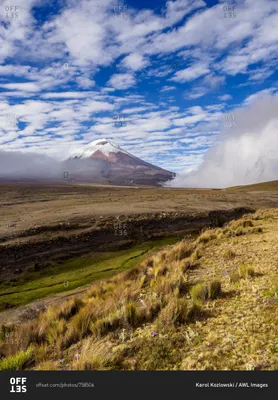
(17, 362)
(74, 273)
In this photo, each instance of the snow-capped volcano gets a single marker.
(105, 146)
(117, 165)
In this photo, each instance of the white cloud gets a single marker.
(225, 97)
(135, 61)
(85, 82)
(167, 89)
(122, 81)
(190, 73)
(66, 95)
(246, 153)
(255, 96)
(26, 86)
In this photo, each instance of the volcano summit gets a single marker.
(117, 166)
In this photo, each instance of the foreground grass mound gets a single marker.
(206, 304)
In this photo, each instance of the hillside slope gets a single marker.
(271, 186)
(206, 304)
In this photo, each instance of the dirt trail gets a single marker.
(32, 310)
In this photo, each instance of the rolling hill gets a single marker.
(271, 186)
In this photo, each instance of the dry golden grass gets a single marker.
(206, 304)
(246, 271)
(229, 254)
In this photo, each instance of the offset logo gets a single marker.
(18, 385)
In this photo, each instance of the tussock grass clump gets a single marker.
(207, 236)
(193, 260)
(234, 277)
(70, 308)
(229, 254)
(257, 230)
(105, 325)
(176, 280)
(149, 263)
(135, 314)
(273, 291)
(33, 332)
(199, 293)
(247, 223)
(79, 324)
(214, 290)
(240, 227)
(235, 230)
(264, 214)
(175, 312)
(18, 361)
(194, 312)
(196, 255)
(246, 271)
(181, 251)
(133, 273)
(202, 292)
(55, 331)
(41, 352)
(160, 270)
(98, 355)
(131, 313)
(240, 231)
(240, 223)
(275, 286)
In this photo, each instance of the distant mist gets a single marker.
(35, 166)
(247, 152)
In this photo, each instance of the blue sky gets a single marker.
(161, 79)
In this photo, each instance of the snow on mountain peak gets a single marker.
(105, 146)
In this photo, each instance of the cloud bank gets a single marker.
(246, 152)
(15, 165)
